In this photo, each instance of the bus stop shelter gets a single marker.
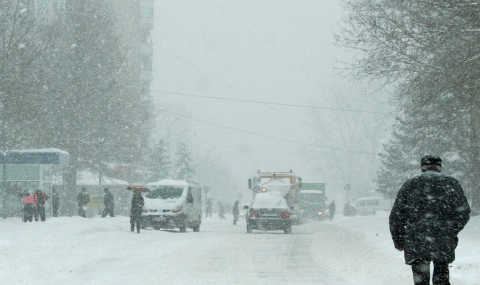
(28, 170)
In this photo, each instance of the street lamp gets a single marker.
(178, 137)
(186, 143)
(168, 135)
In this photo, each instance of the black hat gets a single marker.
(431, 160)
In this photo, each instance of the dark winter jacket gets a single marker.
(55, 200)
(137, 204)
(429, 212)
(108, 199)
(40, 198)
(331, 208)
(83, 199)
(235, 209)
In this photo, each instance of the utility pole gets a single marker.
(4, 162)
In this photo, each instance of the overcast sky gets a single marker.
(268, 51)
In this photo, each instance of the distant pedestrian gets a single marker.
(40, 198)
(83, 198)
(235, 212)
(209, 207)
(108, 202)
(221, 211)
(55, 202)
(331, 210)
(136, 211)
(28, 203)
(429, 212)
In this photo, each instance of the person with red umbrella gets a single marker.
(136, 210)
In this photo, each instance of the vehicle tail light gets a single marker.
(285, 214)
(254, 214)
(177, 210)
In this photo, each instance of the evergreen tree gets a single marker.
(158, 162)
(184, 167)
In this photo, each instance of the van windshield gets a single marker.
(166, 192)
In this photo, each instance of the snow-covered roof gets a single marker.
(41, 150)
(88, 178)
(311, 192)
(269, 200)
(51, 156)
(169, 182)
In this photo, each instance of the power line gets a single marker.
(263, 135)
(267, 103)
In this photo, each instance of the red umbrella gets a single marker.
(138, 188)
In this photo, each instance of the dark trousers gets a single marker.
(135, 219)
(421, 273)
(28, 211)
(40, 211)
(81, 211)
(108, 210)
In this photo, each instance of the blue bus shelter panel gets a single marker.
(38, 156)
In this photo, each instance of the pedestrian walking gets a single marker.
(221, 211)
(331, 210)
(28, 203)
(40, 198)
(209, 207)
(83, 198)
(235, 212)
(136, 211)
(429, 212)
(108, 202)
(55, 202)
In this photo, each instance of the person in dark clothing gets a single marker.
(331, 210)
(40, 198)
(55, 202)
(82, 199)
(108, 201)
(136, 211)
(429, 212)
(28, 206)
(209, 208)
(235, 212)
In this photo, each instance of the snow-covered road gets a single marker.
(104, 251)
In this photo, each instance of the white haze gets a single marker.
(269, 51)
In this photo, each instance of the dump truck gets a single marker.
(287, 183)
(312, 199)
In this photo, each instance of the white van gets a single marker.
(172, 204)
(370, 205)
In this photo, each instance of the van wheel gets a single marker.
(196, 228)
(288, 230)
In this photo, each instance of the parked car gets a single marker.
(172, 204)
(269, 211)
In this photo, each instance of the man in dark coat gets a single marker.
(331, 210)
(429, 212)
(108, 201)
(40, 198)
(136, 211)
(55, 202)
(82, 199)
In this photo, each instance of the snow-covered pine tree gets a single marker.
(184, 167)
(158, 162)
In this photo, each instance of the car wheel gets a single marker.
(288, 230)
(196, 228)
(183, 226)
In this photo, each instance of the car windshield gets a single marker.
(166, 192)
